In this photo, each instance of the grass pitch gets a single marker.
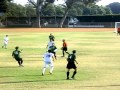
(97, 55)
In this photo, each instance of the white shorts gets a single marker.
(46, 64)
(5, 42)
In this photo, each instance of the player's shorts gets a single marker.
(18, 59)
(46, 64)
(65, 48)
(5, 42)
(71, 65)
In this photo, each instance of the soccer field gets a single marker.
(98, 55)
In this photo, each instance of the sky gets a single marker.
(102, 2)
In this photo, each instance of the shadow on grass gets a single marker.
(9, 67)
(59, 80)
(6, 76)
(102, 86)
(30, 81)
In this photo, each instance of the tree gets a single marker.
(3, 5)
(15, 10)
(30, 10)
(38, 6)
(59, 10)
(115, 7)
(48, 10)
(108, 10)
(70, 3)
(91, 9)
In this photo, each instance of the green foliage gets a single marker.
(59, 10)
(91, 9)
(30, 11)
(3, 6)
(16, 10)
(48, 10)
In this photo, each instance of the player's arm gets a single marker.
(13, 54)
(76, 62)
(68, 53)
(47, 46)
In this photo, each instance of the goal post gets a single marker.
(117, 27)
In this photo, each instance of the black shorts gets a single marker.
(18, 59)
(118, 31)
(71, 65)
(64, 48)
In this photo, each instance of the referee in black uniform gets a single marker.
(71, 64)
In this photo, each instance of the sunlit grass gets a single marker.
(97, 55)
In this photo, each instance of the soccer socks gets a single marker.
(74, 74)
(51, 69)
(19, 63)
(43, 71)
(63, 53)
(68, 75)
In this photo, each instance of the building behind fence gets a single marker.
(106, 21)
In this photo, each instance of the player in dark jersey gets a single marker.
(71, 64)
(51, 37)
(64, 47)
(16, 55)
(53, 49)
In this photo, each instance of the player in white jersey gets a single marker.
(5, 42)
(48, 60)
(50, 44)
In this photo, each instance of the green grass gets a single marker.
(98, 55)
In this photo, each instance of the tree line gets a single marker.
(48, 8)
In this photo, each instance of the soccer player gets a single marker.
(64, 47)
(71, 64)
(118, 31)
(5, 42)
(48, 60)
(16, 55)
(49, 44)
(53, 49)
(51, 37)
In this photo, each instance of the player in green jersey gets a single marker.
(71, 64)
(16, 55)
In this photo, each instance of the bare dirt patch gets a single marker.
(55, 29)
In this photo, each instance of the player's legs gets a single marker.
(21, 62)
(68, 72)
(51, 67)
(74, 73)
(44, 68)
(55, 55)
(4, 45)
(64, 51)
